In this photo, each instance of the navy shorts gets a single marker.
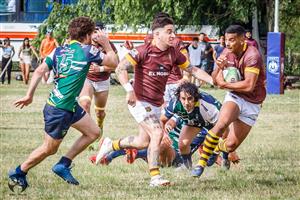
(58, 121)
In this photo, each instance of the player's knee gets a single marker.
(157, 135)
(96, 134)
(85, 103)
(49, 150)
(183, 145)
(100, 114)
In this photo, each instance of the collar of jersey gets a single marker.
(74, 41)
(196, 105)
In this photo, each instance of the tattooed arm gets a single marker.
(122, 74)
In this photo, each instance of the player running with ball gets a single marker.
(243, 103)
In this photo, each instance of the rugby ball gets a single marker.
(231, 75)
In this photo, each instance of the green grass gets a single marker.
(269, 169)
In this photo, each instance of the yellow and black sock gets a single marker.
(210, 143)
(154, 171)
(116, 145)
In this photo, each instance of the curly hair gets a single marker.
(189, 88)
(79, 27)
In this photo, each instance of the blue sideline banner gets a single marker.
(275, 63)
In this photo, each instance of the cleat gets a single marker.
(92, 159)
(131, 155)
(197, 171)
(158, 180)
(212, 159)
(105, 161)
(17, 182)
(105, 147)
(225, 164)
(181, 168)
(65, 173)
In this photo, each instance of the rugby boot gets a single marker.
(197, 171)
(105, 147)
(65, 173)
(158, 180)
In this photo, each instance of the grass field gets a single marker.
(269, 169)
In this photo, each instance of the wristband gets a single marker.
(128, 87)
(101, 69)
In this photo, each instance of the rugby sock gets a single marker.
(210, 143)
(187, 160)
(116, 145)
(142, 154)
(115, 154)
(19, 171)
(154, 171)
(65, 161)
(100, 122)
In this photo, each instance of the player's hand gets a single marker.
(220, 80)
(100, 37)
(25, 101)
(222, 62)
(131, 98)
(166, 140)
(170, 125)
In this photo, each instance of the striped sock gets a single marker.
(154, 171)
(210, 143)
(116, 145)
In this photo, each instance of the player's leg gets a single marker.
(100, 103)
(57, 123)
(186, 137)
(86, 95)
(90, 132)
(228, 113)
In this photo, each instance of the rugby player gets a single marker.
(243, 102)
(97, 84)
(70, 64)
(152, 64)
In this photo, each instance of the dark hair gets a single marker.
(28, 45)
(79, 27)
(161, 20)
(189, 88)
(202, 33)
(100, 25)
(7, 40)
(195, 39)
(238, 29)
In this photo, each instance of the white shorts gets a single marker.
(170, 92)
(248, 111)
(99, 86)
(26, 60)
(142, 109)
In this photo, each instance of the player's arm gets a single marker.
(184, 64)
(199, 74)
(247, 85)
(36, 78)
(122, 74)
(41, 48)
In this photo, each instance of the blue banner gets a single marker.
(275, 63)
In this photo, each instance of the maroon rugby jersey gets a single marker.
(250, 61)
(152, 68)
(101, 76)
(176, 73)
